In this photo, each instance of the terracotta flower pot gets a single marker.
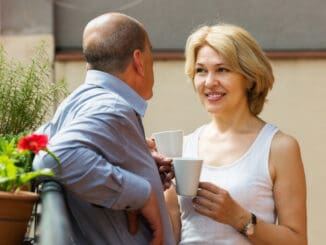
(15, 212)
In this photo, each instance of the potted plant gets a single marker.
(27, 97)
(16, 156)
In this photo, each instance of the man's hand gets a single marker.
(132, 217)
(164, 164)
(151, 212)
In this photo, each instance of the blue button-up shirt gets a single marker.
(106, 165)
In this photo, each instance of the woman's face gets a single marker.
(220, 90)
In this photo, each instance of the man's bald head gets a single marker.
(109, 41)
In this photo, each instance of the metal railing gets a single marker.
(55, 225)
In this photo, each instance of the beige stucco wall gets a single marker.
(22, 47)
(297, 105)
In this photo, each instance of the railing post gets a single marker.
(54, 227)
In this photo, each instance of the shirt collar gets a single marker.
(112, 83)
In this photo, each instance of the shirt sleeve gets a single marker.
(83, 149)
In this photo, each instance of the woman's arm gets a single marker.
(288, 177)
(287, 171)
(171, 200)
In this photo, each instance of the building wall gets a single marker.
(22, 28)
(22, 47)
(277, 25)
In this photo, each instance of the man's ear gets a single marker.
(138, 61)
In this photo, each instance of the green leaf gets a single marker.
(26, 177)
(8, 168)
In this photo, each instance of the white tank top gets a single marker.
(247, 180)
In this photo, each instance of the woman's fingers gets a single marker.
(210, 187)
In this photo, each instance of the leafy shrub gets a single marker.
(27, 94)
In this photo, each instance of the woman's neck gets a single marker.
(237, 122)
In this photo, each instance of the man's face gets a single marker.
(147, 90)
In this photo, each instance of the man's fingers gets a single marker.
(165, 168)
(132, 217)
(150, 142)
(151, 213)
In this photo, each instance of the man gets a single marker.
(97, 133)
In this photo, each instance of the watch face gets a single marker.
(250, 229)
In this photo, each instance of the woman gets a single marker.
(252, 188)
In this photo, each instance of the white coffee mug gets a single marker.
(169, 143)
(187, 173)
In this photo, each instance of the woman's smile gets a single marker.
(213, 96)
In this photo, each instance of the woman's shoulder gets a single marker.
(283, 142)
(285, 153)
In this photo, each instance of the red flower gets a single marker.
(33, 142)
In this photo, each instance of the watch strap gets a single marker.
(251, 222)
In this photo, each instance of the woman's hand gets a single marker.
(216, 203)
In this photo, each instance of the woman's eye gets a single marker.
(200, 70)
(223, 69)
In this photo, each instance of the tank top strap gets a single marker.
(257, 158)
(265, 137)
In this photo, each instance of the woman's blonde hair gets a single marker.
(240, 52)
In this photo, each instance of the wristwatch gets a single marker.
(249, 228)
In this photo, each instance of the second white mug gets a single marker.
(169, 143)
